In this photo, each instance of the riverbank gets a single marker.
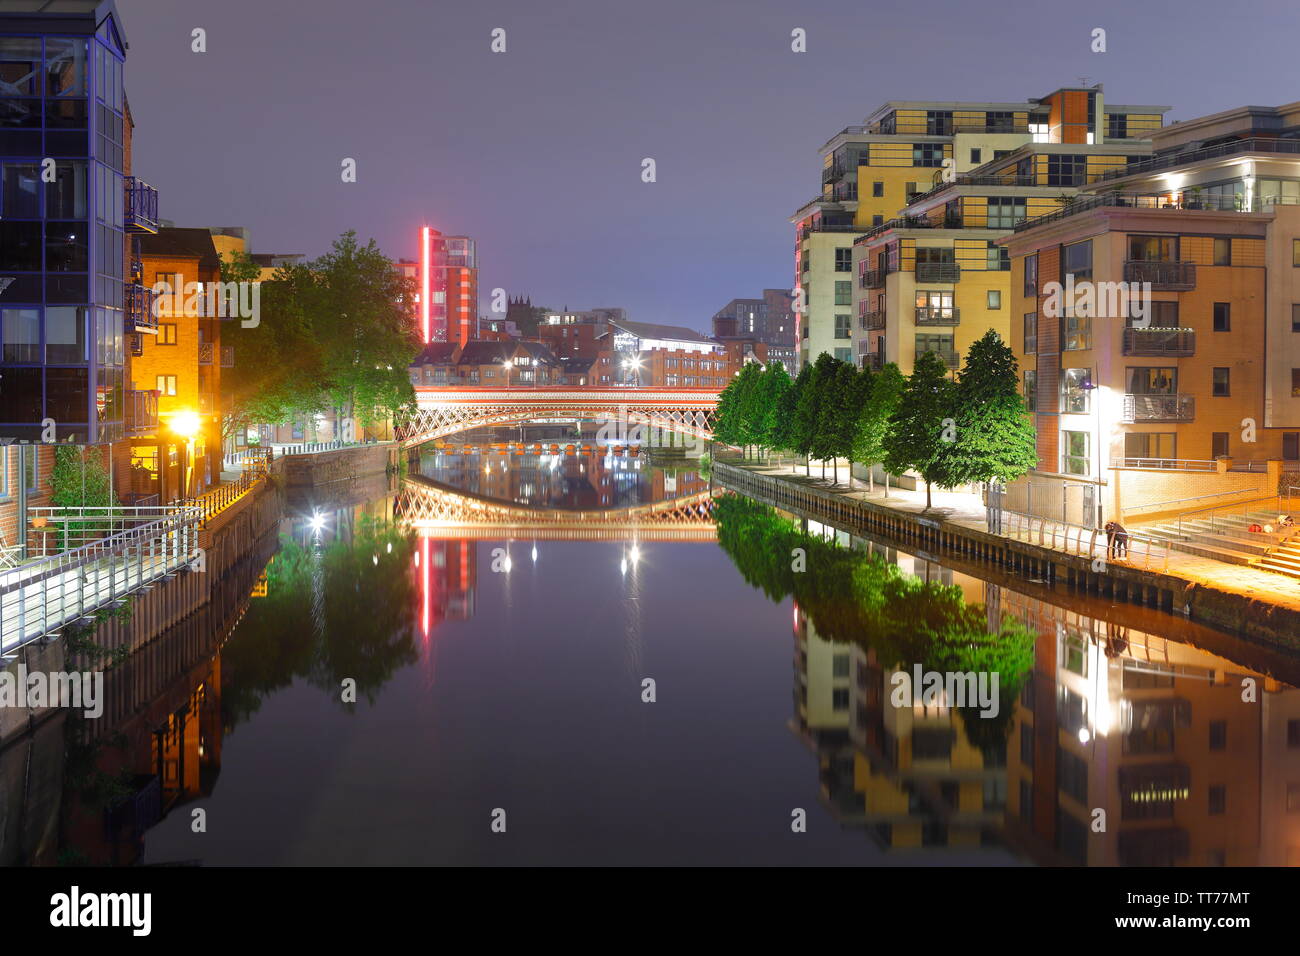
(1258, 605)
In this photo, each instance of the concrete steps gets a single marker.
(1285, 559)
(1226, 538)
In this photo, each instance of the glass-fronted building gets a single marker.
(69, 301)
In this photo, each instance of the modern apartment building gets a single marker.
(769, 320)
(1198, 393)
(934, 278)
(71, 304)
(448, 287)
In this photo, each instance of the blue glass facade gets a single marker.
(65, 224)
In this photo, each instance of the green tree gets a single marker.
(784, 435)
(807, 414)
(995, 437)
(836, 416)
(922, 429)
(885, 391)
(773, 387)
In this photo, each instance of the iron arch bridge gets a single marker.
(435, 510)
(445, 411)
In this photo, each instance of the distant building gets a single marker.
(769, 321)
(448, 301)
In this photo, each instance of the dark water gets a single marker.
(481, 689)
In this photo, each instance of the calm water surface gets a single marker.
(499, 617)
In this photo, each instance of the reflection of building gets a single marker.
(1152, 731)
(446, 573)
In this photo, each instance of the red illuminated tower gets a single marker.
(448, 287)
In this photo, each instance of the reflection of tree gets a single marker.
(367, 621)
(851, 597)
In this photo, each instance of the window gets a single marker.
(1031, 333)
(1295, 252)
(1223, 317)
(1221, 382)
(975, 157)
(844, 260)
(166, 334)
(1153, 248)
(1075, 399)
(844, 355)
(1292, 734)
(1295, 383)
(1076, 333)
(1293, 798)
(937, 304)
(1219, 734)
(1290, 446)
(994, 299)
(840, 665)
(1027, 745)
(1031, 390)
(20, 331)
(940, 344)
(843, 293)
(167, 384)
(1075, 459)
(877, 189)
(927, 154)
(1067, 170)
(999, 153)
(1005, 211)
(1076, 259)
(1223, 252)
(1000, 121)
(1218, 444)
(1072, 775)
(877, 220)
(938, 122)
(1031, 274)
(1295, 317)
(1153, 381)
(997, 258)
(843, 323)
(1158, 446)
(1218, 799)
(1160, 315)
(1116, 126)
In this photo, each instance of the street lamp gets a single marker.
(186, 424)
(506, 366)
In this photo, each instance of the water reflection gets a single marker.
(1185, 756)
(536, 702)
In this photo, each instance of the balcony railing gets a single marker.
(1159, 341)
(1163, 276)
(1187, 157)
(872, 321)
(227, 356)
(205, 353)
(1158, 408)
(874, 361)
(938, 272)
(819, 226)
(140, 308)
(873, 278)
(938, 315)
(141, 411)
(140, 213)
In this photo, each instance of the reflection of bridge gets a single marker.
(446, 411)
(437, 511)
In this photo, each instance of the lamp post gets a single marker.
(186, 426)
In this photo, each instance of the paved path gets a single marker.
(967, 510)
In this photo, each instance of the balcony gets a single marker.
(874, 361)
(938, 272)
(1158, 408)
(872, 321)
(140, 211)
(873, 278)
(140, 314)
(205, 353)
(1163, 276)
(1160, 341)
(141, 411)
(227, 356)
(939, 315)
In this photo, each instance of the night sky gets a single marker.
(536, 152)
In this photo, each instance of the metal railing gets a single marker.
(52, 591)
(1155, 340)
(140, 308)
(141, 411)
(1219, 516)
(1144, 551)
(1253, 145)
(1158, 408)
(1163, 276)
(1164, 505)
(227, 356)
(140, 212)
(205, 353)
(938, 272)
(218, 499)
(872, 321)
(873, 278)
(938, 315)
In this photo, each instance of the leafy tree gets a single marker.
(995, 437)
(836, 415)
(79, 479)
(921, 427)
(885, 392)
(784, 434)
(807, 415)
(773, 387)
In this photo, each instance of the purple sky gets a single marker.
(537, 152)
